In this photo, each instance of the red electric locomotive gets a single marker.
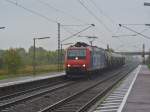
(82, 59)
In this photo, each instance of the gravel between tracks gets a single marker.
(38, 103)
(11, 89)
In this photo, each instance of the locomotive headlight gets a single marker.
(83, 65)
(68, 65)
(76, 58)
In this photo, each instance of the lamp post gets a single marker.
(34, 50)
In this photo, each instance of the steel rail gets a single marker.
(17, 100)
(14, 87)
(101, 94)
(65, 100)
(29, 90)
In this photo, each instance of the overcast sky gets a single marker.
(22, 26)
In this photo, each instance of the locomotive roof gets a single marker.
(83, 45)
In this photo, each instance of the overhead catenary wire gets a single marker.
(79, 36)
(31, 11)
(102, 12)
(73, 25)
(39, 14)
(137, 24)
(61, 11)
(77, 33)
(144, 36)
(92, 14)
(136, 34)
(68, 31)
(14, 2)
(123, 44)
(127, 35)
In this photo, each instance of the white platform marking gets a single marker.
(117, 99)
(129, 90)
(30, 80)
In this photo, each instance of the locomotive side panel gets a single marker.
(98, 59)
(84, 59)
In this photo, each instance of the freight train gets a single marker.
(82, 59)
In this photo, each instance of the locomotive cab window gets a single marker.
(76, 53)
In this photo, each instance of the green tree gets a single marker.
(12, 60)
(22, 53)
(1, 59)
(1, 63)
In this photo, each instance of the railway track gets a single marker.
(15, 98)
(55, 97)
(22, 86)
(5, 97)
(80, 101)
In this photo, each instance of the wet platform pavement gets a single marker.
(139, 97)
(18, 80)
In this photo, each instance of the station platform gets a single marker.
(139, 96)
(24, 79)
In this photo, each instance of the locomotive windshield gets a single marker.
(79, 53)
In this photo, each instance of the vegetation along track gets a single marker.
(66, 96)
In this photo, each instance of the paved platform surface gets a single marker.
(139, 97)
(12, 81)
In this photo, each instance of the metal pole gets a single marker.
(34, 63)
(58, 46)
(61, 58)
(143, 53)
(108, 47)
(149, 57)
(91, 43)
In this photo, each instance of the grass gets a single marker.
(28, 70)
(3, 77)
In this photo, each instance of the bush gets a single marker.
(12, 61)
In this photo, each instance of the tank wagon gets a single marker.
(82, 59)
